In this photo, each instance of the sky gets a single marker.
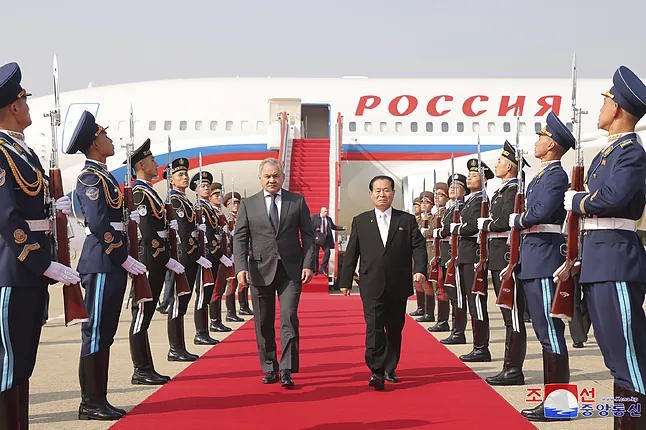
(119, 41)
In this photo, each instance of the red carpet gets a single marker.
(223, 390)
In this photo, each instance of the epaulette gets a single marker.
(626, 143)
(87, 171)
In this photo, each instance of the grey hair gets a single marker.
(272, 161)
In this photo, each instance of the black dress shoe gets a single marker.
(270, 378)
(376, 382)
(440, 326)
(219, 327)
(179, 355)
(245, 311)
(162, 310)
(477, 356)
(114, 408)
(454, 340)
(204, 339)
(147, 377)
(417, 312)
(538, 414)
(286, 378)
(233, 318)
(578, 345)
(391, 377)
(507, 377)
(425, 318)
(99, 413)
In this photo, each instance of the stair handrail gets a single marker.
(284, 146)
(337, 189)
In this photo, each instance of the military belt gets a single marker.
(39, 224)
(498, 235)
(609, 224)
(118, 226)
(163, 234)
(542, 228)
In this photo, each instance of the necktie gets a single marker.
(273, 213)
(323, 226)
(384, 229)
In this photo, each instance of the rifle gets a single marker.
(563, 302)
(181, 282)
(140, 282)
(507, 295)
(207, 274)
(435, 266)
(73, 304)
(451, 265)
(480, 274)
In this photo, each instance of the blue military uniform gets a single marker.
(25, 254)
(613, 270)
(541, 253)
(102, 276)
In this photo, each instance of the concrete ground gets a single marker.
(55, 391)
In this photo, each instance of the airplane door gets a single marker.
(71, 119)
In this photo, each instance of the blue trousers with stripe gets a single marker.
(620, 329)
(103, 300)
(21, 317)
(550, 331)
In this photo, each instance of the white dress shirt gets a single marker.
(383, 222)
(268, 201)
(18, 137)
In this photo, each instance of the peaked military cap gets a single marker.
(628, 91)
(472, 165)
(555, 129)
(206, 177)
(84, 134)
(177, 165)
(216, 186)
(140, 153)
(427, 195)
(236, 197)
(459, 179)
(417, 201)
(10, 89)
(442, 186)
(509, 152)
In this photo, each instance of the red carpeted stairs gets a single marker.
(223, 389)
(309, 175)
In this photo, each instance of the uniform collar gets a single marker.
(18, 137)
(99, 164)
(614, 137)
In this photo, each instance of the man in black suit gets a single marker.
(269, 256)
(322, 225)
(388, 241)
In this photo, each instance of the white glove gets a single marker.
(567, 200)
(225, 228)
(61, 273)
(434, 210)
(64, 204)
(133, 266)
(226, 261)
(436, 233)
(204, 263)
(423, 231)
(202, 227)
(173, 224)
(481, 222)
(512, 220)
(134, 216)
(175, 266)
(454, 225)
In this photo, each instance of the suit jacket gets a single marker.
(384, 269)
(502, 205)
(467, 231)
(153, 249)
(316, 224)
(257, 248)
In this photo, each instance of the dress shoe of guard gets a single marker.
(417, 312)
(538, 414)
(507, 376)
(286, 380)
(577, 345)
(204, 339)
(376, 382)
(99, 413)
(454, 340)
(426, 318)
(270, 377)
(440, 326)
(233, 318)
(391, 377)
(219, 327)
(179, 355)
(477, 356)
(147, 377)
(246, 311)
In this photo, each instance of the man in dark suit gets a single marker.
(388, 241)
(322, 225)
(269, 256)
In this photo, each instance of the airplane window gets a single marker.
(198, 125)
(182, 125)
(429, 127)
(244, 126)
(260, 126)
(537, 127)
(413, 127)
(352, 126)
(398, 126)
(228, 126)
(214, 125)
(367, 126)
(475, 127)
(383, 127)
(445, 127)
(569, 126)
(506, 127)
(523, 127)
(460, 127)
(491, 127)
(166, 125)
(152, 125)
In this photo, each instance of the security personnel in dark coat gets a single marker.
(468, 256)
(497, 228)
(231, 202)
(440, 210)
(188, 257)
(213, 252)
(457, 190)
(104, 264)
(224, 272)
(154, 252)
(613, 269)
(25, 251)
(542, 251)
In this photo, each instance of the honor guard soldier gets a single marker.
(155, 253)
(613, 268)
(497, 228)
(542, 251)
(223, 272)
(231, 202)
(189, 258)
(457, 190)
(419, 292)
(468, 256)
(427, 222)
(104, 264)
(25, 251)
(443, 306)
(213, 251)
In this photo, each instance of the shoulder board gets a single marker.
(553, 167)
(626, 143)
(89, 175)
